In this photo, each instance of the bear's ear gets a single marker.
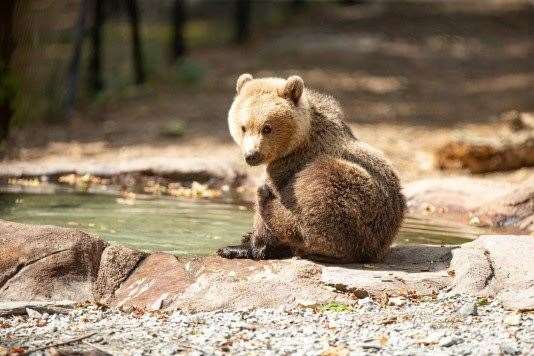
(243, 78)
(293, 89)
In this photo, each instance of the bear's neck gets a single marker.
(327, 135)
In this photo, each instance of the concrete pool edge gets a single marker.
(47, 263)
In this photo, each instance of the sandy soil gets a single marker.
(409, 78)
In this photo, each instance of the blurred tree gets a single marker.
(351, 2)
(242, 21)
(297, 4)
(74, 65)
(96, 82)
(178, 47)
(7, 46)
(133, 15)
(95, 65)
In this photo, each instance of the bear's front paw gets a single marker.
(246, 238)
(234, 252)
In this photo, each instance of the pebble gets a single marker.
(512, 319)
(397, 301)
(447, 341)
(32, 314)
(468, 309)
(365, 301)
(416, 329)
(509, 349)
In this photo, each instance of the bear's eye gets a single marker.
(266, 129)
(243, 128)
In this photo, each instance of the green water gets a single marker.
(177, 226)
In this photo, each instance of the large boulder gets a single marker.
(496, 266)
(158, 278)
(245, 284)
(47, 262)
(116, 265)
(478, 201)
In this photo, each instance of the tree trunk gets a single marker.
(7, 46)
(133, 14)
(297, 4)
(242, 21)
(95, 66)
(74, 66)
(178, 22)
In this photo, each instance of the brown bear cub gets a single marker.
(327, 196)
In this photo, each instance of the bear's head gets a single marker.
(269, 117)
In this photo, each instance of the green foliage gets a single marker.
(189, 73)
(482, 301)
(8, 85)
(335, 307)
(40, 99)
(3, 147)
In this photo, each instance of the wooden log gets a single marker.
(485, 155)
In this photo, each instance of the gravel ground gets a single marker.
(448, 325)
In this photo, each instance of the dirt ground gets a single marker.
(409, 77)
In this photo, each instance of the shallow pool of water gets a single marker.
(176, 226)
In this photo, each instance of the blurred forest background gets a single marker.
(85, 76)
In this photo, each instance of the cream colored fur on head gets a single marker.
(280, 104)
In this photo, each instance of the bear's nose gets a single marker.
(253, 158)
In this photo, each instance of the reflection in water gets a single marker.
(176, 226)
(7, 204)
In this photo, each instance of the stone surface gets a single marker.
(157, 279)
(47, 263)
(40, 263)
(466, 199)
(495, 265)
(245, 284)
(412, 268)
(116, 264)
(418, 327)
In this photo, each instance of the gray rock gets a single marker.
(468, 309)
(512, 319)
(32, 314)
(500, 266)
(490, 203)
(420, 268)
(50, 263)
(448, 341)
(365, 301)
(41, 263)
(116, 264)
(397, 301)
(509, 349)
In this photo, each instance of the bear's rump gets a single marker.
(337, 203)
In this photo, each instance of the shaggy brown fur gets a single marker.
(327, 196)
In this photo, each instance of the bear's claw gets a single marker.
(234, 252)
